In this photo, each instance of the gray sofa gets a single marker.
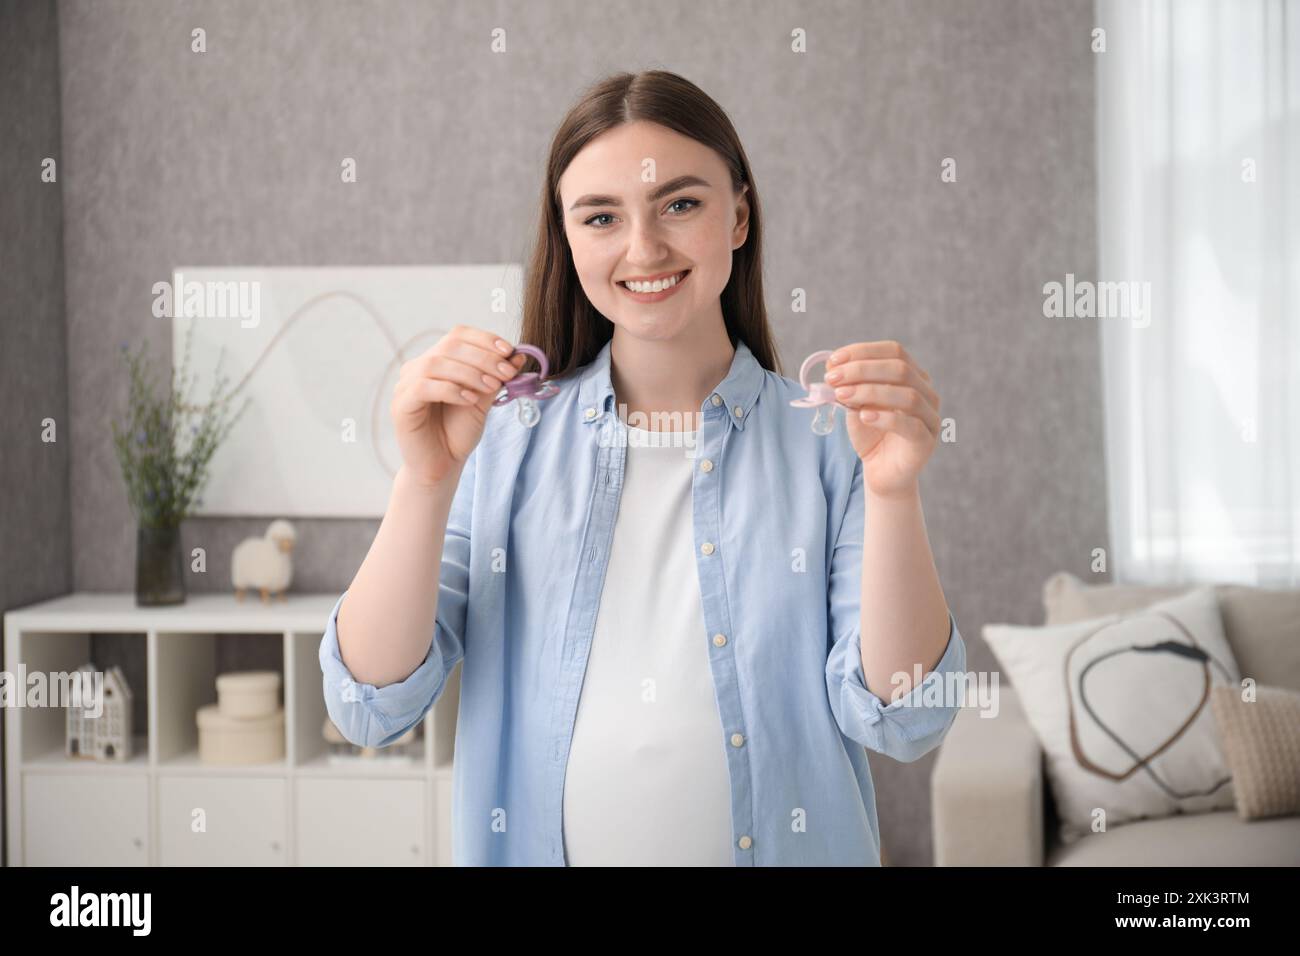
(992, 806)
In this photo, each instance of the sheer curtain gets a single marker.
(1198, 146)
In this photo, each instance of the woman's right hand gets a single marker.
(442, 398)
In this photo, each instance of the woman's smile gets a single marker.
(647, 294)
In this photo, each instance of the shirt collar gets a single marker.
(735, 396)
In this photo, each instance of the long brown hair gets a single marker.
(558, 317)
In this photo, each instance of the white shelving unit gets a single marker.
(300, 811)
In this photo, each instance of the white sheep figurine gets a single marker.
(264, 563)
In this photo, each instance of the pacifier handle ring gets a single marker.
(818, 393)
(536, 353)
(808, 363)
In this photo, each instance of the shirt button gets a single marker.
(707, 547)
(716, 399)
(719, 640)
(706, 465)
(737, 740)
(737, 411)
(590, 413)
(745, 842)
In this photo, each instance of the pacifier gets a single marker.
(820, 396)
(528, 388)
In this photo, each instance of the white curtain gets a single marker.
(1198, 144)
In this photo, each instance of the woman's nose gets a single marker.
(646, 244)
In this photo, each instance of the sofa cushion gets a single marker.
(986, 790)
(1262, 625)
(1204, 839)
(1067, 598)
(1120, 705)
(1261, 743)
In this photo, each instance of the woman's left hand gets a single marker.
(893, 420)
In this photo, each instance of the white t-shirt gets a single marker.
(647, 781)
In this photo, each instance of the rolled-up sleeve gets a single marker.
(371, 716)
(906, 728)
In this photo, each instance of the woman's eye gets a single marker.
(605, 215)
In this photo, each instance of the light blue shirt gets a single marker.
(778, 525)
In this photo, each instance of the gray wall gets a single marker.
(232, 157)
(35, 562)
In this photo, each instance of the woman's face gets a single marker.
(642, 201)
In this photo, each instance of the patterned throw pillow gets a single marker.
(1121, 707)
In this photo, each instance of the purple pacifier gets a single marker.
(820, 396)
(528, 388)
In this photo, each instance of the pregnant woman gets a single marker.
(677, 636)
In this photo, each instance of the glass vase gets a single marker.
(159, 572)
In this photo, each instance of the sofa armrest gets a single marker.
(987, 789)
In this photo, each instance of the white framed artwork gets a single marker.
(316, 351)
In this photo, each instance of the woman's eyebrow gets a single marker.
(681, 182)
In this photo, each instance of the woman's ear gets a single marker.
(741, 232)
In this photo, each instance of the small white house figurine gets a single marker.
(264, 563)
(108, 736)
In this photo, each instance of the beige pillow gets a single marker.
(1120, 706)
(1066, 598)
(1261, 744)
(1262, 625)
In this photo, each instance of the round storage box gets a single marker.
(234, 740)
(248, 693)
